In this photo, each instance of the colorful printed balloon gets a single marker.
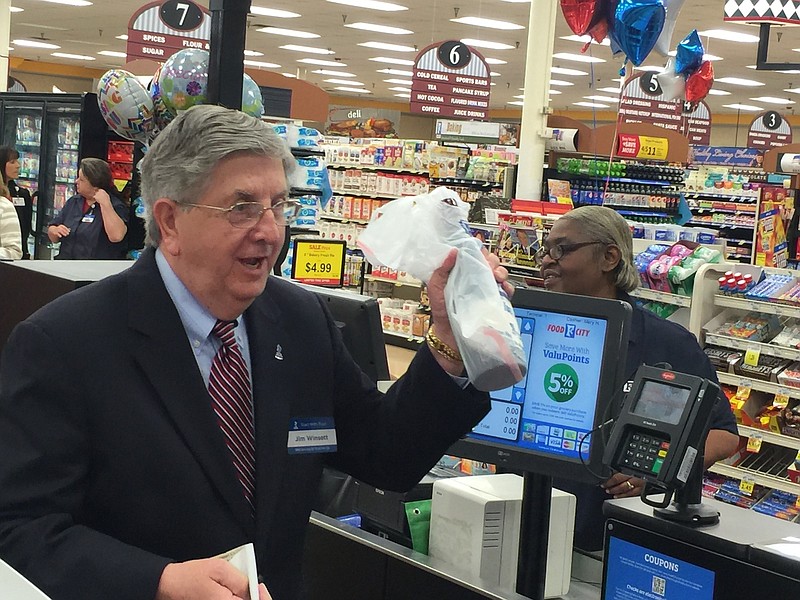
(184, 79)
(252, 104)
(161, 114)
(637, 25)
(125, 105)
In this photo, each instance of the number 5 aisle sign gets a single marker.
(451, 80)
(319, 262)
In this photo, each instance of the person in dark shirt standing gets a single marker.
(93, 223)
(19, 196)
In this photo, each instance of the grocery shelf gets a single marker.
(365, 195)
(729, 197)
(665, 297)
(759, 385)
(394, 281)
(723, 225)
(770, 437)
(772, 308)
(328, 217)
(770, 481)
(460, 181)
(726, 211)
(727, 341)
(604, 179)
(378, 168)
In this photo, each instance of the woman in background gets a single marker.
(10, 239)
(93, 223)
(19, 196)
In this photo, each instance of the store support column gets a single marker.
(226, 61)
(5, 38)
(541, 36)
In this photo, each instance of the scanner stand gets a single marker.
(688, 507)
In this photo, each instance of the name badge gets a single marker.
(315, 435)
(87, 218)
(17, 201)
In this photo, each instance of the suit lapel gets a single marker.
(165, 356)
(272, 401)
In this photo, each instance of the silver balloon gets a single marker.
(664, 41)
(673, 85)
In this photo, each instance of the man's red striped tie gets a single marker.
(229, 386)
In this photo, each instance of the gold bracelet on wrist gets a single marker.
(441, 348)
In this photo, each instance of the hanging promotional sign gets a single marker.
(725, 156)
(355, 122)
(769, 130)
(159, 29)
(643, 101)
(451, 80)
(470, 132)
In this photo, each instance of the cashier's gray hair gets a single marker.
(605, 225)
(180, 161)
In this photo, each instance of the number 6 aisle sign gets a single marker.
(451, 80)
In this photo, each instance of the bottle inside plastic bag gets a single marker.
(415, 234)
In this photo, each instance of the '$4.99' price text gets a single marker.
(319, 267)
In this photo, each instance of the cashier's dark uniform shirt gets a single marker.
(87, 238)
(652, 340)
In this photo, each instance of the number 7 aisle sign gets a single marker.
(159, 29)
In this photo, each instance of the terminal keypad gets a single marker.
(645, 452)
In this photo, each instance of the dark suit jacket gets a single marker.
(112, 464)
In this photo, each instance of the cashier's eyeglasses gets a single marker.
(244, 215)
(559, 251)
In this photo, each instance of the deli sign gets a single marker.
(160, 29)
(451, 80)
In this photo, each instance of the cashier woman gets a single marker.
(93, 222)
(589, 251)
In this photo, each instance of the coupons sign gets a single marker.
(451, 80)
(319, 262)
(642, 146)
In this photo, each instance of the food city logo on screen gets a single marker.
(569, 330)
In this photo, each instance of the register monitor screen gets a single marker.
(359, 319)
(576, 348)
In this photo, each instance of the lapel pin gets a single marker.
(278, 353)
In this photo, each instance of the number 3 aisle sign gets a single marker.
(451, 80)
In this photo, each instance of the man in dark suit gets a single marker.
(119, 475)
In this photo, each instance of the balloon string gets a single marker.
(623, 78)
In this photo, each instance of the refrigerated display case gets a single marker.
(52, 133)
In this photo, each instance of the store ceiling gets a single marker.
(90, 29)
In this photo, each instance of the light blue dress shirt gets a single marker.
(198, 322)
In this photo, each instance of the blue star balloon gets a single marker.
(637, 25)
(690, 54)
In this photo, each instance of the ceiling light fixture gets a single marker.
(405, 82)
(553, 92)
(356, 90)
(403, 95)
(289, 75)
(321, 63)
(495, 61)
(372, 4)
(560, 82)
(390, 47)
(15, 9)
(578, 57)
(490, 23)
(773, 100)
(716, 92)
(564, 71)
(739, 81)
(35, 44)
(400, 89)
(309, 49)
(396, 72)
(730, 36)
(261, 63)
(495, 74)
(392, 61)
(487, 44)
(607, 90)
(748, 107)
(113, 53)
(333, 73)
(272, 12)
(253, 53)
(124, 36)
(601, 98)
(591, 104)
(379, 28)
(516, 102)
(72, 56)
(288, 32)
(70, 2)
(343, 82)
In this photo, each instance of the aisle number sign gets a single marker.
(642, 146)
(319, 262)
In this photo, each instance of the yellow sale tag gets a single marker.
(318, 262)
(781, 400)
(743, 392)
(754, 443)
(751, 356)
(746, 485)
(797, 502)
(653, 147)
